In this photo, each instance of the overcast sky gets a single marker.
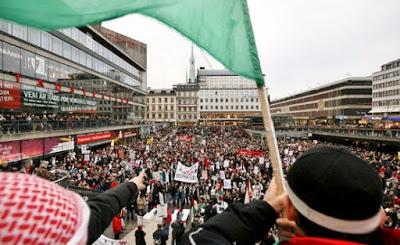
(301, 43)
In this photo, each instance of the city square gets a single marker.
(117, 135)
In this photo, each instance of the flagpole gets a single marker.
(271, 139)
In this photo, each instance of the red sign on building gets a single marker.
(10, 95)
(32, 148)
(84, 139)
(10, 152)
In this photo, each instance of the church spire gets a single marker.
(192, 71)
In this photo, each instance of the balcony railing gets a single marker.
(24, 126)
(371, 132)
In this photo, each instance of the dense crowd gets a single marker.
(218, 152)
(222, 153)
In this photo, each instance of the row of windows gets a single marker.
(304, 107)
(391, 65)
(187, 109)
(226, 100)
(231, 107)
(93, 45)
(189, 116)
(187, 102)
(228, 93)
(388, 93)
(55, 45)
(387, 84)
(186, 94)
(159, 100)
(348, 101)
(386, 103)
(387, 75)
(165, 107)
(160, 115)
(326, 95)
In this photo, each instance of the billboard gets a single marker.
(47, 98)
(10, 152)
(10, 94)
(84, 139)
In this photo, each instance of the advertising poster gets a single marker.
(84, 139)
(10, 95)
(32, 148)
(10, 152)
(55, 144)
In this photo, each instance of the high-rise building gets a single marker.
(386, 90)
(226, 97)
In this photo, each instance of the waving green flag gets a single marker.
(222, 27)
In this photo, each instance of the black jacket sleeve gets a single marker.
(105, 206)
(239, 224)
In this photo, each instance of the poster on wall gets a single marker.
(55, 144)
(32, 148)
(84, 139)
(10, 152)
(10, 95)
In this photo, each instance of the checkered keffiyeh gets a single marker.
(36, 211)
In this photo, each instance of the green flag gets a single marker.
(221, 27)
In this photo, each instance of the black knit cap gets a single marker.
(337, 183)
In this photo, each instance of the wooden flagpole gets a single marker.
(271, 139)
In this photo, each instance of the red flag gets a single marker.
(206, 163)
(17, 77)
(39, 83)
(94, 94)
(58, 87)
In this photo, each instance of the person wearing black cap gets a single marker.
(332, 197)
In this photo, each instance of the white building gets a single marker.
(161, 105)
(386, 90)
(224, 96)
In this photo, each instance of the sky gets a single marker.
(301, 43)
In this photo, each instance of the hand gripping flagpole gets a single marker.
(271, 139)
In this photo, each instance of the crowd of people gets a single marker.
(222, 153)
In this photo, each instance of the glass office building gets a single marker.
(68, 71)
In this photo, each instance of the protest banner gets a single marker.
(246, 152)
(204, 175)
(162, 210)
(186, 174)
(227, 184)
(222, 174)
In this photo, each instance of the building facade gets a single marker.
(386, 90)
(349, 98)
(187, 112)
(224, 96)
(69, 71)
(161, 105)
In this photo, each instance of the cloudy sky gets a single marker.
(301, 43)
